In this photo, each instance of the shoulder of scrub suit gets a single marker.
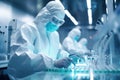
(28, 27)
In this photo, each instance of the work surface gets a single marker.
(76, 74)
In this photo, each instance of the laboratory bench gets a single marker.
(75, 73)
(100, 73)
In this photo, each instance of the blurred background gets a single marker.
(87, 13)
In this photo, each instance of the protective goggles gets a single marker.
(57, 21)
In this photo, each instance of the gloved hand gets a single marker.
(62, 63)
(75, 57)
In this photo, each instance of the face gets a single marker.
(54, 24)
(76, 34)
(57, 21)
(77, 37)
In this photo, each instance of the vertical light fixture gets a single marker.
(75, 22)
(71, 17)
(115, 3)
(89, 11)
(109, 6)
(106, 2)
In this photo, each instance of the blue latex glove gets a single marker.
(62, 63)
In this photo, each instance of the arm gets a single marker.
(24, 61)
(22, 41)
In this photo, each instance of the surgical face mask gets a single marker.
(54, 24)
(51, 27)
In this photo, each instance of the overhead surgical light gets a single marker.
(69, 15)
